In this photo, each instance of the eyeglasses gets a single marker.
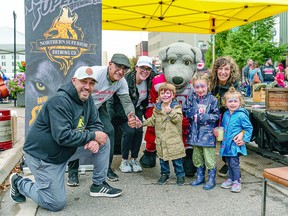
(121, 67)
(148, 69)
(200, 86)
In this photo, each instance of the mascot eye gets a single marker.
(171, 61)
(40, 86)
(187, 63)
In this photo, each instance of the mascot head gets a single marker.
(179, 62)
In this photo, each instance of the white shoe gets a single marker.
(135, 165)
(125, 166)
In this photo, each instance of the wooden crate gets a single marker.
(258, 96)
(277, 99)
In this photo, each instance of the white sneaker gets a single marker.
(135, 165)
(125, 166)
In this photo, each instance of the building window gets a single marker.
(12, 63)
(17, 57)
(3, 56)
(3, 63)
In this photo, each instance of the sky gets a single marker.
(112, 41)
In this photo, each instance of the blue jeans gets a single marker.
(234, 168)
(248, 90)
(177, 164)
(48, 190)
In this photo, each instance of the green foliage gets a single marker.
(254, 40)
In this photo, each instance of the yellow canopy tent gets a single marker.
(194, 16)
(190, 16)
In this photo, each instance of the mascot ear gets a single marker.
(197, 54)
(163, 53)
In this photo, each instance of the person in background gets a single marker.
(139, 83)
(224, 74)
(154, 68)
(167, 120)
(268, 71)
(235, 120)
(246, 74)
(110, 82)
(255, 69)
(67, 127)
(201, 67)
(279, 78)
(201, 108)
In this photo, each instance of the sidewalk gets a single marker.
(143, 196)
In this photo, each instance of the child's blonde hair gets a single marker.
(167, 86)
(201, 76)
(232, 91)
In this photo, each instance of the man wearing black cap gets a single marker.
(67, 127)
(109, 82)
(268, 71)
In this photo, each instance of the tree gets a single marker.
(253, 40)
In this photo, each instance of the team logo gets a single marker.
(64, 41)
(89, 71)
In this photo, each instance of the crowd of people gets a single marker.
(100, 101)
(266, 73)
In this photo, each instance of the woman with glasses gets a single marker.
(139, 83)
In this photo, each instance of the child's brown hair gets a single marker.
(167, 86)
(232, 91)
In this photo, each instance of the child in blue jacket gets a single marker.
(235, 120)
(201, 108)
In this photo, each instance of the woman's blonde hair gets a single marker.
(220, 62)
(232, 91)
(201, 76)
(167, 86)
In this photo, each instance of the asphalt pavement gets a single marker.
(143, 196)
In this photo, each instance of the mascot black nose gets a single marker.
(177, 80)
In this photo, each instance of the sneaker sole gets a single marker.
(226, 187)
(222, 174)
(105, 195)
(137, 171)
(113, 180)
(163, 182)
(125, 171)
(10, 181)
(236, 191)
(73, 185)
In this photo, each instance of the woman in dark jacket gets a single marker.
(224, 74)
(139, 83)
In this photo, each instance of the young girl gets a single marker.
(167, 120)
(201, 108)
(235, 120)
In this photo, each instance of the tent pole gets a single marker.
(14, 16)
(213, 48)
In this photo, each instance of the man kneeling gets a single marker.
(67, 127)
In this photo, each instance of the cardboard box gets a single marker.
(258, 96)
(277, 99)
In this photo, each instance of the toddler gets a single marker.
(235, 120)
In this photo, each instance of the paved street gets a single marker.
(143, 196)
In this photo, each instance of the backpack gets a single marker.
(256, 78)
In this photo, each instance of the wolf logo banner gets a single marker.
(60, 37)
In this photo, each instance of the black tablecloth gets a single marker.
(270, 129)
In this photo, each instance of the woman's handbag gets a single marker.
(256, 78)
